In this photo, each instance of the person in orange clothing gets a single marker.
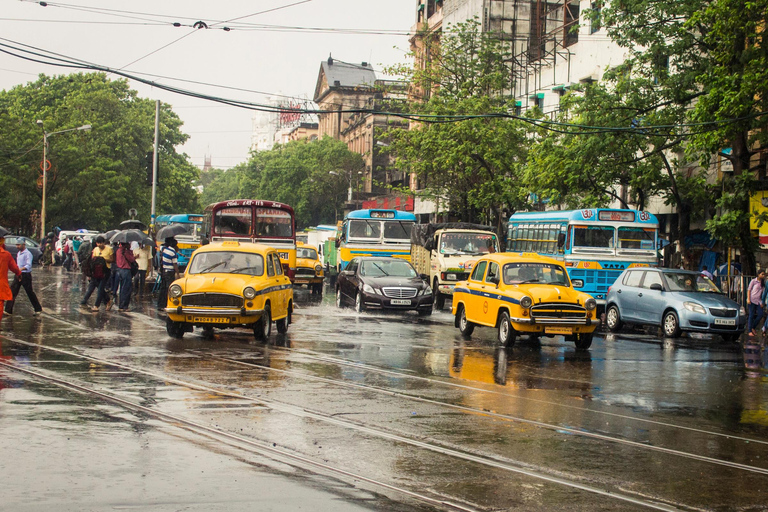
(6, 263)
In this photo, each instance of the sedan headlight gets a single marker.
(369, 289)
(427, 290)
(174, 291)
(742, 311)
(526, 302)
(696, 308)
(590, 304)
(249, 293)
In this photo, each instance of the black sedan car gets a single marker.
(32, 246)
(383, 283)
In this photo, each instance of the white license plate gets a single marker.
(400, 302)
(211, 319)
(722, 321)
(558, 330)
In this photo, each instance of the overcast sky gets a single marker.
(264, 60)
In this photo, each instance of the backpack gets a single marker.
(87, 266)
(99, 267)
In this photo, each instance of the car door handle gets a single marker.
(618, 291)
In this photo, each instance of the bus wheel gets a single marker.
(507, 334)
(465, 326)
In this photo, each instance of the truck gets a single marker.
(445, 251)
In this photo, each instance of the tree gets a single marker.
(712, 57)
(464, 150)
(97, 176)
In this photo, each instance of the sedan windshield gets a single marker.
(227, 262)
(687, 282)
(384, 268)
(543, 273)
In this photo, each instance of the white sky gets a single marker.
(267, 61)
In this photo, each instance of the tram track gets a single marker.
(430, 445)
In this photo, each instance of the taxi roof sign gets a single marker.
(230, 243)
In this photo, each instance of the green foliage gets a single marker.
(297, 173)
(474, 165)
(96, 176)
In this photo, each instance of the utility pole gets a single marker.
(154, 166)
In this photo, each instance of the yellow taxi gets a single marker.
(231, 284)
(309, 270)
(524, 293)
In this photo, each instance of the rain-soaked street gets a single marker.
(367, 412)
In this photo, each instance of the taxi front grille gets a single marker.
(399, 293)
(305, 272)
(212, 300)
(555, 310)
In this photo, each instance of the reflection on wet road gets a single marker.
(404, 408)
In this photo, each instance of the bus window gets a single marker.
(593, 236)
(365, 229)
(233, 221)
(273, 222)
(636, 238)
(397, 230)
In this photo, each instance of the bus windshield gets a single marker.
(369, 229)
(593, 237)
(467, 243)
(637, 238)
(273, 222)
(397, 230)
(233, 221)
(541, 273)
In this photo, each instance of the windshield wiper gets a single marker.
(239, 269)
(529, 281)
(382, 270)
(211, 267)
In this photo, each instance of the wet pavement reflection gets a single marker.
(398, 406)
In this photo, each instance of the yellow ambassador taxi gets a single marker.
(231, 284)
(309, 270)
(524, 293)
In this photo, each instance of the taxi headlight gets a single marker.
(174, 291)
(526, 302)
(696, 308)
(318, 269)
(249, 293)
(590, 304)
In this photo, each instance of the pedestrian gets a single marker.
(706, 273)
(169, 270)
(6, 263)
(48, 251)
(101, 261)
(143, 254)
(24, 262)
(83, 252)
(123, 261)
(68, 250)
(754, 298)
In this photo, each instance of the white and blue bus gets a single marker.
(595, 244)
(375, 233)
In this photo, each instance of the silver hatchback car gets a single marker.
(676, 300)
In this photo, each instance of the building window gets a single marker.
(571, 23)
(595, 25)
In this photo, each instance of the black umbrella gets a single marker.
(133, 224)
(170, 230)
(3, 232)
(129, 235)
(109, 234)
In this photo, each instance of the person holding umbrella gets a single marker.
(169, 270)
(6, 263)
(124, 259)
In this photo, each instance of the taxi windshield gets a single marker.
(540, 273)
(687, 282)
(227, 262)
(306, 253)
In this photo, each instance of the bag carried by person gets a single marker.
(99, 267)
(87, 266)
(134, 268)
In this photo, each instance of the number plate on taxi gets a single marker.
(723, 321)
(400, 302)
(558, 330)
(211, 319)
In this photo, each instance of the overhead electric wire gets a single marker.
(554, 126)
(263, 12)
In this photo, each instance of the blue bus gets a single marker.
(187, 242)
(595, 244)
(375, 233)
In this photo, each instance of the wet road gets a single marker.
(370, 411)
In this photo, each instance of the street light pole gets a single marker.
(44, 166)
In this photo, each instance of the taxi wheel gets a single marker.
(282, 324)
(584, 341)
(208, 332)
(465, 326)
(263, 327)
(670, 325)
(613, 319)
(359, 306)
(507, 334)
(174, 329)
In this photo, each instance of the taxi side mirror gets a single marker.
(494, 279)
(577, 283)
